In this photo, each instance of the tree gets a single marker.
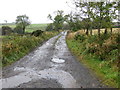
(22, 21)
(58, 20)
(99, 14)
(50, 27)
(5, 21)
(73, 21)
(85, 13)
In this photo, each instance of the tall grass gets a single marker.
(101, 56)
(14, 47)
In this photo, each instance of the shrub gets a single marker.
(80, 37)
(37, 33)
(18, 29)
(50, 27)
(6, 30)
(92, 39)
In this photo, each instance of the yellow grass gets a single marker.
(95, 31)
(71, 35)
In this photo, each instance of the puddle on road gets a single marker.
(29, 74)
(57, 60)
(19, 68)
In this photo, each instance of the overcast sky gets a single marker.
(37, 10)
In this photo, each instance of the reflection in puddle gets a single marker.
(57, 60)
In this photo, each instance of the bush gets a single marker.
(50, 27)
(92, 39)
(6, 30)
(80, 37)
(18, 30)
(37, 33)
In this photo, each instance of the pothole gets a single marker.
(57, 60)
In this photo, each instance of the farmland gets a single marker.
(31, 27)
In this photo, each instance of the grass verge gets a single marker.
(15, 47)
(108, 75)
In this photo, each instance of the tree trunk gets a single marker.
(99, 32)
(87, 31)
(111, 30)
(23, 30)
(105, 31)
(91, 31)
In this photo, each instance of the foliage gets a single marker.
(22, 21)
(6, 30)
(37, 33)
(14, 47)
(58, 20)
(50, 27)
(79, 37)
(18, 29)
(73, 22)
(103, 59)
(91, 15)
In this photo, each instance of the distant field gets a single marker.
(34, 27)
(12, 26)
(31, 27)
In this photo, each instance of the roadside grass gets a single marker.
(105, 70)
(15, 47)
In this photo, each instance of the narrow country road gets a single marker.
(49, 66)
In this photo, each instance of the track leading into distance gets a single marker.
(49, 66)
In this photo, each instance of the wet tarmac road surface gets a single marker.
(49, 66)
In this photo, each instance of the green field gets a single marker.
(12, 25)
(34, 27)
(31, 27)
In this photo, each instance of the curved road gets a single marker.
(49, 66)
